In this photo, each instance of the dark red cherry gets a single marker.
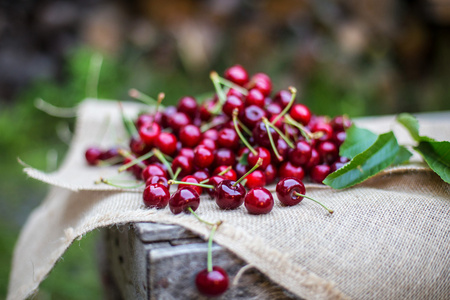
(261, 135)
(328, 151)
(187, 105)
(338, 137)
(148, 133)
(255, 179)
(166, 142)
(283, 98)
(252, 115)
(205, 110)
(236, 74)
(255, 97)
(92, 155)
(179, 120)
(301, 154)
(143, 119)
(273, 109)
(286, 191)
(201, 175)
(258, 201)
(300, 113)
(156, 196)
(191, 179)
(262, 82)
(314, 160)
(261, 153)
(340, 123)
(214, 180)
(135, 169)
(182, 199)
(208, 143)
(230, 174)
(169, 111)
(287, 169)
(190, 136)
(212, 284)
(319, 173)
(228, 138)
(224, 156)
(183, 164)
(229, 196)
(325, 128)
(153, 170)
(157, 179)
(212, 134)
(188, 152)
(231, 104)
(203, 157)
(138, 147)
(271, 173)
(241, 169)
(234, 92)
(110, 154)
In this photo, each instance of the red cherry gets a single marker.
(92, 155)
(300, 113)
(156, 196)
(214, 180)
(258, 201)
(224, 157)
(255, 97)
(109, 154)
(157, 179)
(138, 147)
(261, 153)
(212, 284)
(232, 103)
(230, 174)
(262, 82)
(178, 120)
(338, 137)
(241, 169)
(166, 142)
(203, 157)
(153, 170)
(325, 128)
(187, 105)
(252, 115)
(328, 151)
(273, 109)
(169, 111)
(190, 136)
(237, 74)
(208, 143)
(255, 179)
(188, 152)
(229, 196)
(301, 154)
(148, 133)
(319, 173)
(261, 135)
(201, 175)
(234, 92)
(228, 138)
(191, 179)
(287, 190)
(143, 119)
(287, 169)
(182, 199)
(183, 164)
(271, 173)
(212, 134)
(314, 160)
(283, 98)
(340, 123)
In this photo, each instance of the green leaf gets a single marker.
(437, 156)
(243, 160)
(403, 156)
(356, 141)
(366, 164)
(411, 123)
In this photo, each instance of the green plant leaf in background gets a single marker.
(411, 124)
(368, 163)
(357, 140)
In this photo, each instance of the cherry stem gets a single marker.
(305, 132)
(208, 126)
(274, 148)
(202, 220)
(108, 182)
(245, 128)
(256, 166)
(177, 172)
(301, 195)
(128, 155)
(243, 139)
(134, 93)
(206, 186)
(283, 136)
(110, 161)
(129, 125)
(233, 85)
(293, 91)
(286, 128)
(163, 159)
(220, 174)
(210, 242)
(161, 97)
(220, 93)
(135, 161)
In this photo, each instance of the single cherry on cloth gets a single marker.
(182, 199)
(291, 191)
(212, 283)
(258, 201)
(156, 196)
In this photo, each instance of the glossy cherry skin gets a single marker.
(287, 169)
(262, 82)
(212, 284)
(184, 164)
(169, 111)
(110, 153)
(138, 147)
(328, 151)
(208, 143)
(258, 201)
(228, 138)
(228, 196)
(143, 119)
(205, 110)
(192, 179)
(224, 157)
(182, 199)
(241, 169)
(301, 154)
(319, 173)
(214, 180)
(314, 160)
(255, 179)
(230, 174)
(212, 134)
(255, 97)
(286, 189)
(340, 123)
(261, 153)
(153, 170)
(273, 109)
(252, 115)
(167, 143)
(233, 102)
(338, 137)
(188, 152)
(92, 155)
(148, 133)
(261, 135)
(271, 173)
(203, 157)
(190, 136)
(300, 113)
(188, 105)
(156, 196)
(201, 175)
(325, 128)
(157, 179)
(236, 74)
(283, 98)
(179, 120)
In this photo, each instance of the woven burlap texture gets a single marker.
(388, 238)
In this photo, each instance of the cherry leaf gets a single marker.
(368, 163)
(437, 156)
(356, 141)
(403, 156)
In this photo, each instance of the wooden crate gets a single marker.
(158, 261)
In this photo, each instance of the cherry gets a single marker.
(228, 138)
(138, 146)
(110, 154)
(255, 97)
(258, 201)
(228, 195)
(181, 165)
(190, 136)
(235, 92)
(166, 142)
(255, 179)
(188, 105)
(261, 135)
(214, 181)
(340, 123)
(153, 170)
(157, 179)
(143, 119)
(325, 128)
(319, 173)
(203, 157)
(273, 109)
(229, 174)
(212, 134)
(188, 152)
(236, 74)
(178, 120)
(262, 153)
(156, 196)
(201, 175)
(224, 156)
(92, 155)
(287, 169)
(252, 115)
(208, 143)
(182, 199)
(338, 137)
(240, 169)
(191, 179)
(205, 110)
(283, 98)
(135, 169)
(148, 132)
(339, 163)
(328, 151)
(232, 102)
(314, 160)
(300, 113)
(271, 173)
(301, 154)
(262, 82)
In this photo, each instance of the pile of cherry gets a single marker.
(244, 131)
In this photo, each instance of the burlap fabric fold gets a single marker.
(389, 237)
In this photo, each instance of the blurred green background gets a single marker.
(354, 57)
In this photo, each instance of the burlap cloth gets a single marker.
(389, 237)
